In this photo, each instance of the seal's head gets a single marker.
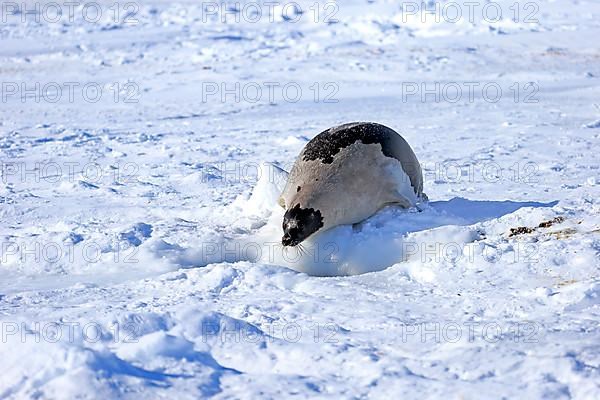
(300, 223)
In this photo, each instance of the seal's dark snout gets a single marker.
(291, 233)
(287, 240)
(300, 223)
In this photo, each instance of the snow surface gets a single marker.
(139, 233)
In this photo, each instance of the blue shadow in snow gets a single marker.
(474, 211)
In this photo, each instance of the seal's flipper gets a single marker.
(401, 200)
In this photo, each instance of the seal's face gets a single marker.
(300, 223)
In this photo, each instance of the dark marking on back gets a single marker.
(298, 189)
(328, 143)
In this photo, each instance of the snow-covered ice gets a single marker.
(142, 153)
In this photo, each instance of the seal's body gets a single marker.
(346, 174)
